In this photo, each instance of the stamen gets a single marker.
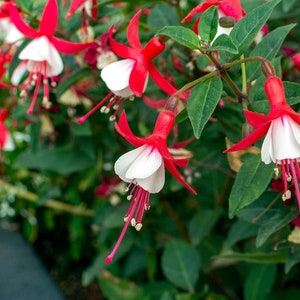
(295, 179)
(35, 94)
(134, 214)
(110, 257)
(83, 118)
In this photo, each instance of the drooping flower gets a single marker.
(8, 31)
(144, 168)
(42, 53)
(88, 7)
(282, 141)
(129, 77)
(226, 8)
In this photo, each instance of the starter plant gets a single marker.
(153, 147)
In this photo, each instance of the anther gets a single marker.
(286, 195)
(138, 226)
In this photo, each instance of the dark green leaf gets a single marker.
(208, 24)
(239, 231)
(251, 181)
(278, 221)
(259, 281)
(61, 160)
(245, 31)
(117, 288)
(162, 15)
(293, 259)
(180, 264)
(202, 222)
(202, 103)
(262, 258)
(268, 48)
(181, 35)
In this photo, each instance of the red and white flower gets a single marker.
(282, 141)
(144, 168)
(42, 53)
(226, 8)
(129, 77)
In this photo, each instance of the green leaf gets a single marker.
(181, 35)
(208, 24)
(116, 288)
(181, 264)
(201, 223)
(258, 257)
(239, 231)
(251, 181)
(162, 15)
(259, 281)
(202, 103)
(74, 77)
(245, 31)
(292, 260)
(223, 43)
(268, 48)
(64, 160)
(283, 217)
(94, 269)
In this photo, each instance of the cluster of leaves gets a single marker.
(190, 247)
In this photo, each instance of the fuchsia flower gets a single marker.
(129, 77)
(144, 168)
(87, 7)
(226, 8)
(42, 53)
(282, 129)
(8, 30)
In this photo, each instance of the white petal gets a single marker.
(13, 34)
(266, 149)
(116, 76)
(9, 144)
(18, 73)
(145, 164)
(155, 182)
(41, 50)
(283, 139)
(124, 162)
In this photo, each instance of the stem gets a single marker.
(223, 72)
(50, 203)
(225, 67)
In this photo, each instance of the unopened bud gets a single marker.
(227, 22)
(268, 69)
